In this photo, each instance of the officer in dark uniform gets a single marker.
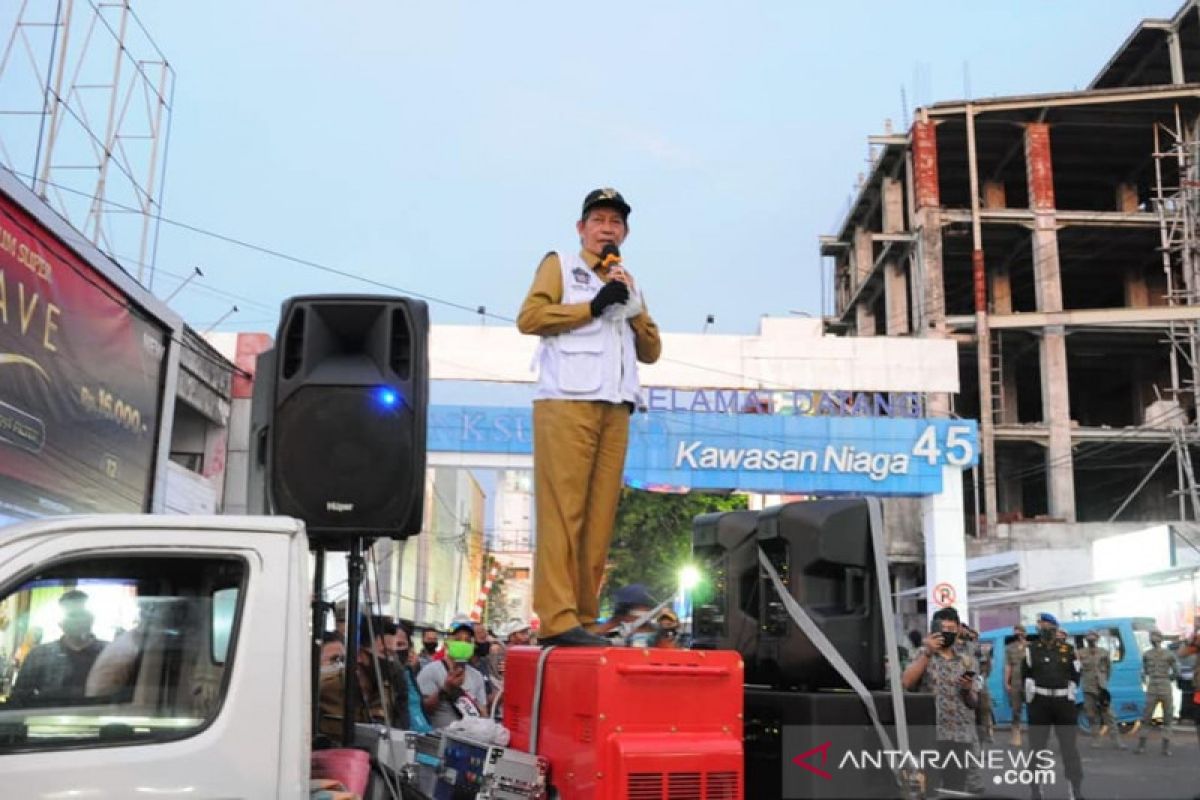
(1050, 675)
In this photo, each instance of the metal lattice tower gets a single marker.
(85, 110)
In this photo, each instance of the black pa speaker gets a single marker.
(827, 727)
(822, 551)
(725, 607)
(347, 452)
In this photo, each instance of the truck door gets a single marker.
(149, 662)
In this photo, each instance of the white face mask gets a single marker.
(641, 639)
(329, 669)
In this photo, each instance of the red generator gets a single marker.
(629, 723)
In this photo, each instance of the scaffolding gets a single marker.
(85, 111)
(1176, 201)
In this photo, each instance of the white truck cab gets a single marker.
(162, 656)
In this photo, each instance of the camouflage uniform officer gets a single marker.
(1014, 657)
(985, 717)
(1095, 668)
(1158, 672)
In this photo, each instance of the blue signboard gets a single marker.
(778, 454)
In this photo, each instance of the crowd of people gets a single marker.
(1043, 677)
(456, 671)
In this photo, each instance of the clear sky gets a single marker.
(443, 147)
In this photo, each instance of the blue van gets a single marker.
(1126, 639)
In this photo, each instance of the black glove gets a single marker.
(612, 292)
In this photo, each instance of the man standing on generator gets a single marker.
(594, 328)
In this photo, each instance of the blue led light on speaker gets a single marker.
(387, 397)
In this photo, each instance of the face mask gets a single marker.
(640, 639)
(401, 655)
(329, 669)
(430, 647)
(460, 651)
(482, 649)
(1091, 642)
(1047, 634)
(948, 638)
(1155, 641)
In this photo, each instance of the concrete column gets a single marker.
(1056, 408)
(1000, 278)
(864, 255)
(925, 165)
(933, 290)
(237, 459)
(1175, 52)
(994, 195)
(864, 318)
(945, 544)
(843, 277)
(927, 200)
(1009, 408)
(1127, 197)
(895, 297)
(1012, 495)
(893, 205)
(1137, 291)
(1052, 347)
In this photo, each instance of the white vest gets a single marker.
(596, 361)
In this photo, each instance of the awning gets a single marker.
(980, 582)
(1092, 588)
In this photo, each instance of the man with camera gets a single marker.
(951, 675)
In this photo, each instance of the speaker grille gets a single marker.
(344, 467)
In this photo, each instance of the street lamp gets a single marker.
(689, 577)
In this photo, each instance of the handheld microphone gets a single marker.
(610, 256)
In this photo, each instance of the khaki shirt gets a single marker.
(332, 701)
(1158, 665)
(544, 314)
(1014, 657)
(1095, 667)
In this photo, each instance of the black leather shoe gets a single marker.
(575, 637)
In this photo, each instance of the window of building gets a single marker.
(117, 651)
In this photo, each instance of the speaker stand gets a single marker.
(318, 630)
(355, 567)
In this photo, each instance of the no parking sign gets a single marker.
(944, 595)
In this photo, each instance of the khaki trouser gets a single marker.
(1016, 701)
(578, 465)
(1099, 716)
(1168, 704)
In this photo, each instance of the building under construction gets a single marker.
(1054, 236)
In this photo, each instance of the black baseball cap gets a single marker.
(606, 197)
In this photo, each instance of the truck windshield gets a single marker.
(116, 651)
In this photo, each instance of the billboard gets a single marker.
(81, 373)
(775, 454)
